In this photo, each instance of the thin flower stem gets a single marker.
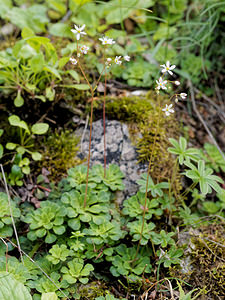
(91, 120)
(104, 126)
(104, 115)
(82, 71)
(146, 190)
(89, 150)
(99, 78)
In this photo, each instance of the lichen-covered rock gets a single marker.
(119, 149)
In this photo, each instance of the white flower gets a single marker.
(73, 60)
(108, 62)
(177, 82)
(161, 84)
(168, 109)
(111, 41)
(84, 49)
(78, 31)
(168, 68)
(117, 60)
(107, 41)
(127, 57)
(183, 95)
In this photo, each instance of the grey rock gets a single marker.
(119, 150)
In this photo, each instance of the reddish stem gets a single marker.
(104, 126)
(89, 149)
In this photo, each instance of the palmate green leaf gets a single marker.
(181, 150)
(213, 159)
(155, 189)
(204, 177)
(10, 288)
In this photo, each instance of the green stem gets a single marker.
(148, 175)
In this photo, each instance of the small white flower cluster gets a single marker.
(84, 49)
(107, 41)
(117, 60)
(79, 31)
(161, 84)
(73, 61)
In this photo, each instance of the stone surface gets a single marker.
(120, 151)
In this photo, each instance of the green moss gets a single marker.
(59, 152)
(208, 260)
(92, 290)
(141, 114)
(207, 267)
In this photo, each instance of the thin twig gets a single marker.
(34, 262)
(202, 120)
(11, 212)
